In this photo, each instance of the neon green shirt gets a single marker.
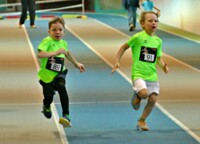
(145, 50)
(48, 44)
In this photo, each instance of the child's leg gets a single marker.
(64, 99)
(149, 106)
(59, 85)
(153, 89)
(140, 92)
(48, 93)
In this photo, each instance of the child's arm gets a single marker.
(74, 61)
(45, 54)
(162, 64)
(121, 51)
(158, 11)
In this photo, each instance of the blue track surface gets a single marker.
(100, 109)
(182, 49)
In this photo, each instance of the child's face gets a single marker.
(150, 24)
(56, 31)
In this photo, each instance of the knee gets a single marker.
(59, 83)
(152, 98)
(143, 93)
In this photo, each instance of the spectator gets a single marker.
(148, 5)
(131, 7)
(30, 5)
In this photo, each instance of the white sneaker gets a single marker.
(142, 125)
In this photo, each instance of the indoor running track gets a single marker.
(100, 102)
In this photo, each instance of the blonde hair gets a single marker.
(55, 20)
(143, 16)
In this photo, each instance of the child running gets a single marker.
(146, 52)
(52, 52)
(148, 5)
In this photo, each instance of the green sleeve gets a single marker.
(43, 46)
(159, 53)
(131, 41)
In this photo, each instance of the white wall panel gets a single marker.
(183, 14)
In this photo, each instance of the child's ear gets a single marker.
(142, 23)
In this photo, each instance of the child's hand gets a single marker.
(80, 67)
(61, 51)
(165, 68)
(158, 13)
(115, 67)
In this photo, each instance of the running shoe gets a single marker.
(33, 26)
(47, 112)
(20, 25)
(65, 121)
(142, 125)
(135, 101)
(132, 27)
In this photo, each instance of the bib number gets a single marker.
(148, 54)
(55, 64)
(149, 57)
(56, 67)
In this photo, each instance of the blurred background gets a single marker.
(181, 14)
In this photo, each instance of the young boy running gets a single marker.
(53, 51)
(146, 52)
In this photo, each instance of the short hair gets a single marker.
(144, 13)
(55, 20)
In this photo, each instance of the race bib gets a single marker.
(148, 54)
(55, 64)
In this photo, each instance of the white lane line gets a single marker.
(130, 81)
(185, 37)
(55, 113)
(185, 128)
(182, 63)
(98, 54)
(162, 29)
(179, 61)
(95, 102)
